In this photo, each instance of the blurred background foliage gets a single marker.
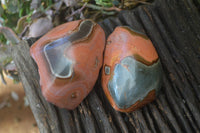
(11, 11)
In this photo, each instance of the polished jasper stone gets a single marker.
(132, 71)
(69, 58)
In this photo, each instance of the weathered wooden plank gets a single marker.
(44, 113)
(173, 26)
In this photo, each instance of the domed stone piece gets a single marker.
(132, 71)
(69, 58)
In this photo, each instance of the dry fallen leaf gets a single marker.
(40, 26)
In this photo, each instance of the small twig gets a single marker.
(77, 11)
(94, 17)
(128, 3)
(108, 13)
(2, 77)
(24, 31)
(122, 4)
(144, 2)
(102, 8)
(10, 35)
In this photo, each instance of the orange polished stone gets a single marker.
(69, 58)
(132, 70)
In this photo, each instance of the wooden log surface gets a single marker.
(174, 28)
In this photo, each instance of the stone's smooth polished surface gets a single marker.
(132, 70)
(69, 58)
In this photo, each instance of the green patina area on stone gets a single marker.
(132, 81)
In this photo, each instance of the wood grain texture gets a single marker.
(173, 26)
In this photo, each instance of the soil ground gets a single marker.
(14, 116)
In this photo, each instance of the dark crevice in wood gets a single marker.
(149, 119)
(131, 20)
(86, 119)
(106, 107)
(77, 121)
(190, 117)
(142, 123)
(105, 110)
(169, 118)
(155, 124)
(93, 116)
(164, 107)
(197, 4)
(112, 118)
(99, 113)
(58, 112)
(102, 97)
(159, 120)
(128, 122)
(105, 27)
(120, 121)
(185, 115)
(132, 122)
(66, 120)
